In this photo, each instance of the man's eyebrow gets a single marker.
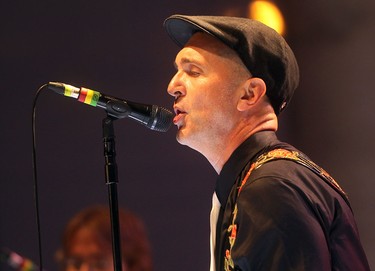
(183, 60)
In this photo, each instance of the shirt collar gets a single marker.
(246, 152)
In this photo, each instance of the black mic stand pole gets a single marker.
(111, 182)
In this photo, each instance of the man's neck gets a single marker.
(218, 156)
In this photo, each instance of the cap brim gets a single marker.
(181, 29)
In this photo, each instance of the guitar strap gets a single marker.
(272, 155)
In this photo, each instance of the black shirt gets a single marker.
(288, 217)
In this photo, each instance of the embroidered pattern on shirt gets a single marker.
(232, 229)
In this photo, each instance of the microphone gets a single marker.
(16, 261)
(152, 116)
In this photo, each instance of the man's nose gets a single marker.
(175, 86)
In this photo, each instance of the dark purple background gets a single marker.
(120, 48)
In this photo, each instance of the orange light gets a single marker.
(267, 13)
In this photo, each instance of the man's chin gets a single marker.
(181, 137)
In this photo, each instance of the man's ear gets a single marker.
(253, 90)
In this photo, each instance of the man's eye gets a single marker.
(193, 73)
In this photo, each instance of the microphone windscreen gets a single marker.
(161, 119)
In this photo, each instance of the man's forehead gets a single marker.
(190, 55)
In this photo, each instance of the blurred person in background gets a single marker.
(87, 242)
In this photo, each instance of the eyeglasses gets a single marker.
(93, 264)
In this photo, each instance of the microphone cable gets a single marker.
(35, 177)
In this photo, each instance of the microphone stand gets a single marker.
(111, 180)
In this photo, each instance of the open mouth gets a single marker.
(178, 119)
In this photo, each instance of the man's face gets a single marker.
(206, 90)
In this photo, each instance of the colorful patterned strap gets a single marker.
(275, 154)
(295, 156)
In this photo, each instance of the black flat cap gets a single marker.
(264, 52)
